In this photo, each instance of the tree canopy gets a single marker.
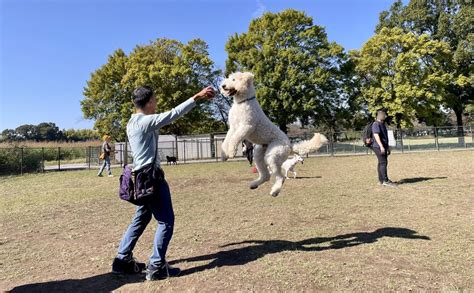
(174, 70)
(404, 73)
(297, 70)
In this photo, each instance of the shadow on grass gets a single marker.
(417, 179)
(305, 177)
(256, 249)
(100, 283)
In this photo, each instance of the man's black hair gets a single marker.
(381, 110)
(141, 96)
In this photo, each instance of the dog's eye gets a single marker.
(233, 79)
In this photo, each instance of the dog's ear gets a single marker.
(249, 77)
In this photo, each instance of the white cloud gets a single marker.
(261, 8)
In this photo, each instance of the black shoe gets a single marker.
(127, 266)
(162, 272)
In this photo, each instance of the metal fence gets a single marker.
(207, 148)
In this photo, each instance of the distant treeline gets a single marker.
(47, 131)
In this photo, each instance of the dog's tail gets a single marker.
(308, 146)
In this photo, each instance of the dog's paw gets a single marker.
(253, 185)
(275, 192)
(224, 157)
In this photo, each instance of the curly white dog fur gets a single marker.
(248, 121)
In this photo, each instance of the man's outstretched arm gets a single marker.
(156, 121)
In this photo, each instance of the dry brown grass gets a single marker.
(334, 229)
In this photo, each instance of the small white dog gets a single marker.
(248, 121)
(289, 165)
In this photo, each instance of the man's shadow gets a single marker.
(418, 179)
(259, 248)
(100, 283)
(254, 250)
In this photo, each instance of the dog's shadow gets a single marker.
(256, 249)
(100, 283)
(418, 179)
(305, 177)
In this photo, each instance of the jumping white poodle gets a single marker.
(248, 121)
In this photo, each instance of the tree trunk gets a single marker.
(459, 126)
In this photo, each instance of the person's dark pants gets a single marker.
(249, 154)
(382, 164)
(162, 209)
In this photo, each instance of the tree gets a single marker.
(9, 135)
(221, 104)
(296, 69)
(404, 73)
(175, 71)
(27, 132)
(48, 131)
(80, 134)
(451, 21)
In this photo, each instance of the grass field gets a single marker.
(332, 229)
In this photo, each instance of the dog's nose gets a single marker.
(223, 86)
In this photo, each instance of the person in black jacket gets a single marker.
(380, 147)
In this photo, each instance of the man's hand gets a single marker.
(205, 94)
(382, 150)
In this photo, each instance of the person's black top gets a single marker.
(381, 129)
(106, 148)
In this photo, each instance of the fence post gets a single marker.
(331, 140)
(401, 140)
(176, 144)
(59, 158)
(21, 161)
(42, 159)
(174, 151)
(436, 138)
(184, 151)
(463, 138)
(215, 150)
(89, 156)
(125, 159)
(472, 134)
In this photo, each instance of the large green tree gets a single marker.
(297, 71)
(451, 21)
(175, 71)
(404, 73)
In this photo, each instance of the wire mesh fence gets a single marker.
(207, 148)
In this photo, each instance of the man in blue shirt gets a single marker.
(380, 147)
(142, 132)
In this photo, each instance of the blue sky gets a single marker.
(50, 47)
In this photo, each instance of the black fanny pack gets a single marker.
(141, 186)
(147, 182)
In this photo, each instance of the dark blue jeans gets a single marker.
(106, 163)
(161, 209)
(382, 163)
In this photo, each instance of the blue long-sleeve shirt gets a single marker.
(143, 131)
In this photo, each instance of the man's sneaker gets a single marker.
(162, 272)
(127, 266)
(110, 175)
(389, 183)
(100, 175)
